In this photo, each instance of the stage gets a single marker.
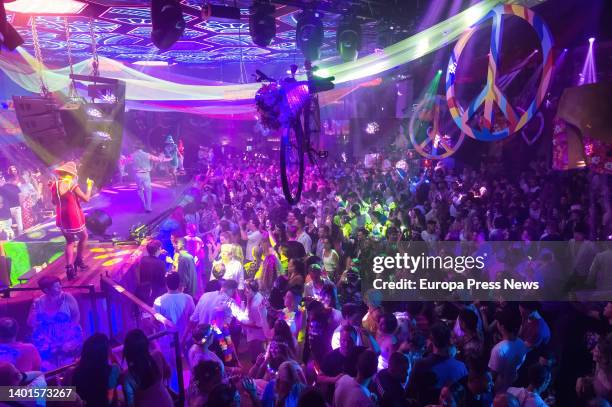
(43, 244)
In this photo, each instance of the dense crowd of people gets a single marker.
(268, 303)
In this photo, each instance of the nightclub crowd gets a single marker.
(268, 303)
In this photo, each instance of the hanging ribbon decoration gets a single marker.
(39, 58)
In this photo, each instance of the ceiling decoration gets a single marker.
(123, 33)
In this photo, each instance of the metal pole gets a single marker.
(179, 367)
(94, 308)
(109, 313)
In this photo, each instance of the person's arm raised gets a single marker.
(84, 196)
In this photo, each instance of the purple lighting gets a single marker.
(589, 72)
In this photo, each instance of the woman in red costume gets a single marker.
(67, 196)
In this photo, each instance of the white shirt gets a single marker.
(306, 241)
(429, 237)
(349, 393)
(311, 291)
(253, 240)
(207, 304)
(177, 307)
(233, 271)
(527, 398)
(336, 338)
(506, 359)
(255, 314)
(330, 263)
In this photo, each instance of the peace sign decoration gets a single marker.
(432, 131)
(491, 94)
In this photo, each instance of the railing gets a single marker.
(125, 312)
(55, 377)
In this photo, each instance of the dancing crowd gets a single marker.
(269, 309)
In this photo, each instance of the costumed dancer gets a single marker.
(67, 196)
(181, 156)
(171, 152)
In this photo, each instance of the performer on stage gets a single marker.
(171, 153)
(143, 163)
(67, 196)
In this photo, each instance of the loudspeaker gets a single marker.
(34, 105)
(41, 123)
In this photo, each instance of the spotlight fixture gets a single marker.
(309, 34)
(168, 23)
(348, 38)
(592, 40)
(372, 128)
(9, 37)
(262, 24)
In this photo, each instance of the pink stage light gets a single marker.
(46, 7)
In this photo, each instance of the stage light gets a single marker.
(372, 128)
(9, 37)
(46, 6)
(589, 70)
(151, 63)
(102, 135)
(94, 112)
(439, 72)
(102, 93)
(262, 24)
(167, 23)
(348, 39)
(309, 34)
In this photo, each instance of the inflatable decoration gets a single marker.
(488, 128)
(432, 132)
